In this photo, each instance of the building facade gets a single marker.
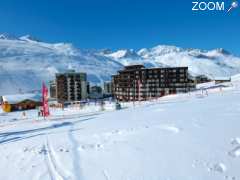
(137, 83)
(107, 88)
(202, 79)
(71, 86)
(53, 89)
(96, 92)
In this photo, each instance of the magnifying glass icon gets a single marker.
(233, 5)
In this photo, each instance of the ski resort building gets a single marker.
(19, 102)
(202, 79)
(71, 86)
(136, 82)
(96, 92)
(53, 90)
(107, 89)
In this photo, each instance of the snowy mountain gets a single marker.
(217, 62)
(26, 61)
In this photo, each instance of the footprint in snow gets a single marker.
(235, 152)
(218, 167)
(43, 150)
(230, 177)
(90, 147)
(63, 150)
(235, 141)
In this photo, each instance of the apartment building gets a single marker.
(71, 86)
(137, 83)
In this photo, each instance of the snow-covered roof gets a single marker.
(236, 77)
(17, 98)
(205, 85)
(222, 78)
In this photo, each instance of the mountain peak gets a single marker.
(29, 38)
(124, 53)
(223, 51)
(6, 36)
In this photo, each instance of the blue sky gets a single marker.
(122, 23)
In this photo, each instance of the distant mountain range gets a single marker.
(26, 61)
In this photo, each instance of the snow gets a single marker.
(205, 85)
(236, 77)
(175, 137)
(222, 78)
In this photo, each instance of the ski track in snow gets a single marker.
(46, 160)
(56, 172)
(105, 174)
(76, 158)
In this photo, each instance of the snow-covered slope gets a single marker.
(217, 62)
(236, 77)
(26, 61)
(180, 137)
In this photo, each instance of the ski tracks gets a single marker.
(76, 155)
(56, 171)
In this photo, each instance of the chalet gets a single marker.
(19, 102)
(136, 82)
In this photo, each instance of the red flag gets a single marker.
(45, 101)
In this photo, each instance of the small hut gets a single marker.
(20, 102)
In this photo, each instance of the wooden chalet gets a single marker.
(19, 102)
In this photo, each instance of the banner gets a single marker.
(45, 101)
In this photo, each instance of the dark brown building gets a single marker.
(71, 86)
(139, 83)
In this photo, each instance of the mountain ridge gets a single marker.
(26, 61)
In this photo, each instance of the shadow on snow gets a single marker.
(8, 137)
